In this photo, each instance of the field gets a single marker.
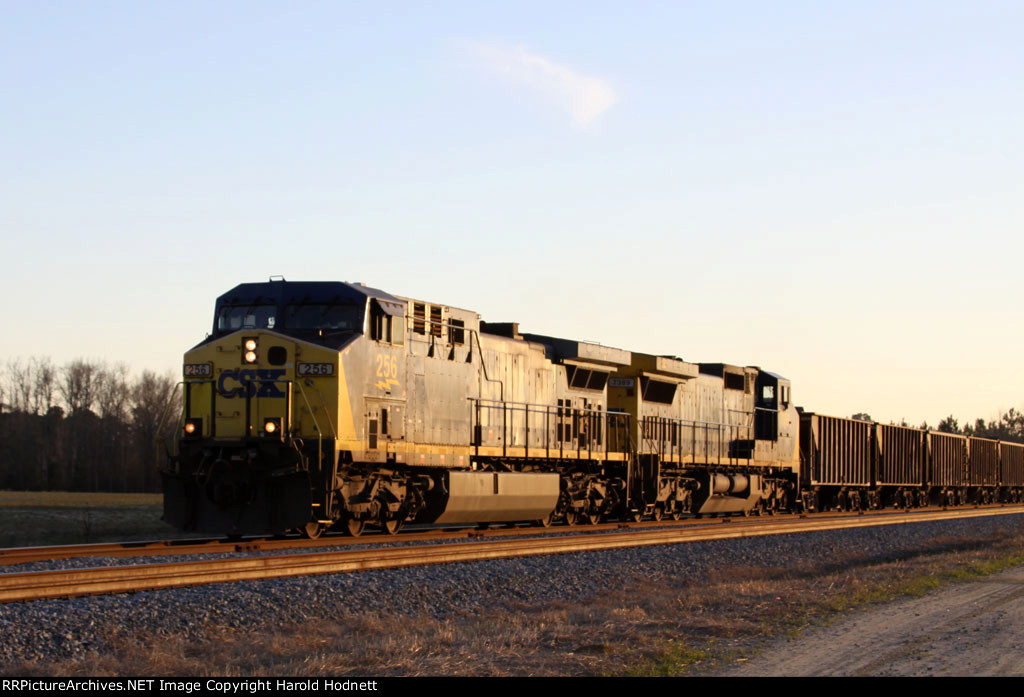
(693, 625)
(699, 627)
(29, 518)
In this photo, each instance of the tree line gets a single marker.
(1008, 426)
(82, 426)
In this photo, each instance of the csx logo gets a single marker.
(250, 383)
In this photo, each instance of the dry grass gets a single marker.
(645, 628)
(77, 499)
(29, 518)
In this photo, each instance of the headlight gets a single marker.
(249, 346)
(272, 427)
(193, 428)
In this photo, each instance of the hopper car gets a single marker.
(320, 405)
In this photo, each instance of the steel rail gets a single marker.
(94, 581)
(10, 556)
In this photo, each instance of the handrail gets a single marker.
(483, 364)
(603, 422)
(724, 431)
(327, 412)
(497, 402)
(163, 418)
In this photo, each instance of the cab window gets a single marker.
(234, 317)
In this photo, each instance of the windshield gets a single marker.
(328, 317)
(233, 317)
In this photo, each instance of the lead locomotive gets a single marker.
(318, 405)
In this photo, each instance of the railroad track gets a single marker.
(10, 556)
(121, 579)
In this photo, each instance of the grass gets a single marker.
(674, 660)
(986, 567)
(53, 518)
(647, 627)
(77, 499)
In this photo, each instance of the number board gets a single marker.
(316, 368)
(198, 370)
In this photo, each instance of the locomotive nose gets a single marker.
(227, 485)
(228, 494)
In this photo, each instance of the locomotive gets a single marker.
(318, 405)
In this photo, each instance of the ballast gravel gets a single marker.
(67, 628)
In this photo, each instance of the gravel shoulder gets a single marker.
(970, 629)
(667, 610)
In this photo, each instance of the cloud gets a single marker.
(583, 96)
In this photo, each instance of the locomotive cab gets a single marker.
(776, 424)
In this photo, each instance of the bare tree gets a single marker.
(19, 385)
(113, 393)
(151, 399)
(112, 402)
(44, 385)
(79, 385)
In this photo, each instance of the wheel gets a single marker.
(571, 517)
(592, 518)
(677, 515)
(313, 530)
(659, 512)
(354, 527)
(545, 522)
(391, 526)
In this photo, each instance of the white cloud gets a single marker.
(583, 96)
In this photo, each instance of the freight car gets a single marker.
(320, 405)
(848, 464)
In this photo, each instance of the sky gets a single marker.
(829, 190)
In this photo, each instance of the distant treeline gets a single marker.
(1008, 426)
(83, 426)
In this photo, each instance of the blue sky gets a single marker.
(830, 190)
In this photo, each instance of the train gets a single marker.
(313, 406)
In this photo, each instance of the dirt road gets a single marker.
(967, 629)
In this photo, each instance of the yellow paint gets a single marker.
(346, 424)
(317, 403)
